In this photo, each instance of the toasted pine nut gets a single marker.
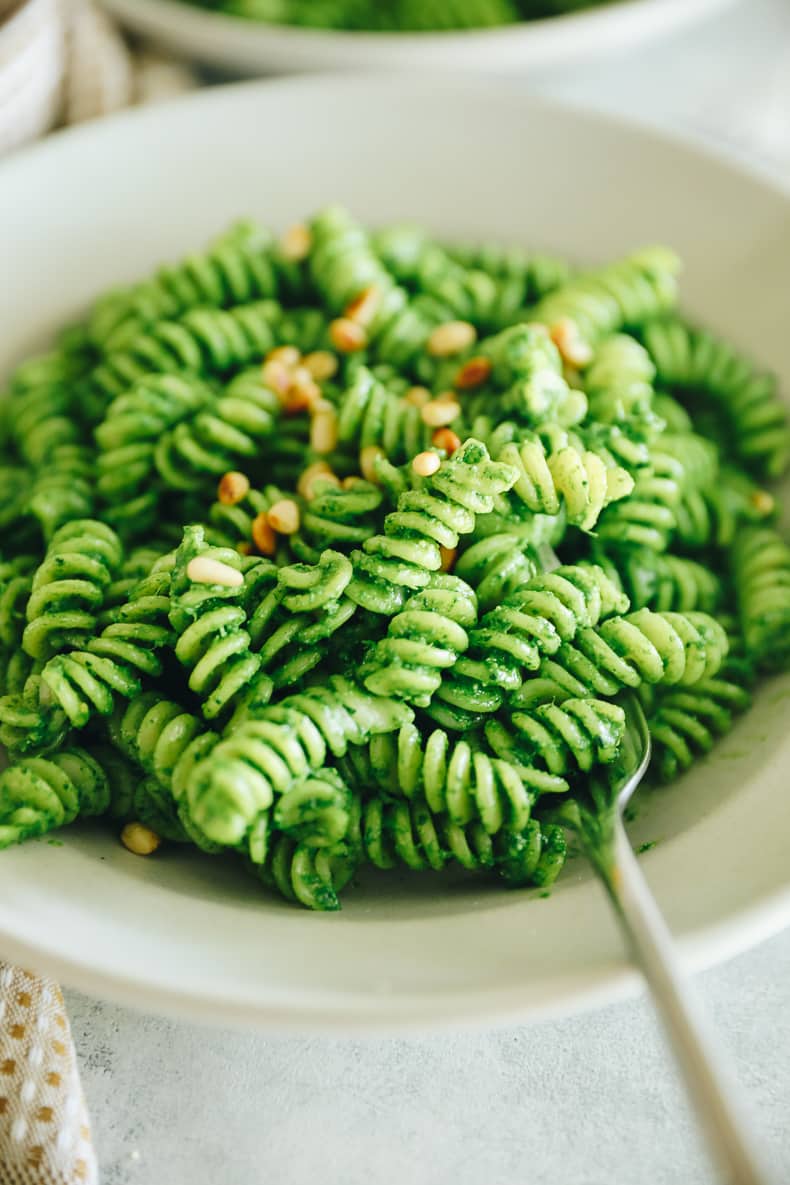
(449, 556)
(303, 386)
(362, 308)
(323, 428)
(284, 517)
(277, 376)
(139, 839)
(566, 337)
(419, 396)
(424, 464)
(447, 439)
(233, 487)
(347, 336)
(204, 570)
(322, 364)
(762, 502)
(318, 469)
(288, 355)
(473, 373)
(263, 535)
(368, 457)
(440, 412)
(451, 338)
(295, 244)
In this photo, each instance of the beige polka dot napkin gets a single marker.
(45, 1136)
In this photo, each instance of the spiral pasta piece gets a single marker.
(761, 575)
(337, 517)
(307, 875)
(293, 626)
(684, 724)
(409, 833)
(497, 566)
(667, 648)
(666, 583)
(569, 476)
(68, 587)
(422, 640)
(619, 380)
(577, 733)
(81, 682)
(127, 438)
(316, 811)
(514, 637)
(39, 794)
(209, 620)
(692, 361)
(259, 761)
(201, 341)
(62, 489)
(626, 294)
(237, 268)
(403, 558)
(226, 435)
(369, 414)
(461, 779)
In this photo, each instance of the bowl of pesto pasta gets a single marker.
(481, 36)
(290, 700)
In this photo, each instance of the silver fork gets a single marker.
(601, 830)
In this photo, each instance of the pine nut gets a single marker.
(323, 428)
(368, 457)
(277, 376)
(451, 338)
(244, 548)
(449, 556)
(263, 535)
(232, 488)
(288, 355)
(347, 336)
(322, 364)
(295, 244)
(140, 840)
(363, 307)
(314, 472)
(762, 502)
(283, 517)
(473, 373)
(446, 439)
(566, 337)
(204, 570)
(418, 396)
(440, 412)
(425, 464)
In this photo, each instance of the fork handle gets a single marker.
(711, 1087)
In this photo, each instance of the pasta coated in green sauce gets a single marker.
(270, 549)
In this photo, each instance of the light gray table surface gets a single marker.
(591, 1100)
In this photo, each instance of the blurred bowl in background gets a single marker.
(248, 47)
(32, 64)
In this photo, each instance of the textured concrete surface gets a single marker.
(592, 1100)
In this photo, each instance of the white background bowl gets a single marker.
(99, 206)
(250, 47)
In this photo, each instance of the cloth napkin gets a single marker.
(45, 1136)
(61, 62)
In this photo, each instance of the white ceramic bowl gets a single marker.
(194, 935)
(248, 47)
